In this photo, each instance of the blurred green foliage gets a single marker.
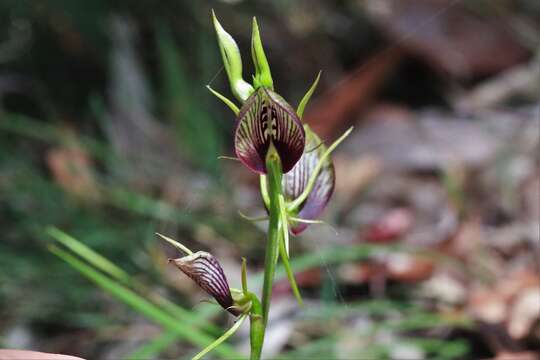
(57, 77)
(59, 52)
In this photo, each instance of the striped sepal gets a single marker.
(205, 270)
(266, 118)
(296, 181)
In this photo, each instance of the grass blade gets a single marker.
(154, 347)
(89, 255)
(106, 266)
(143, 306)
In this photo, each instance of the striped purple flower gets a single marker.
(204, 269)
(296, 181)
(265, 119)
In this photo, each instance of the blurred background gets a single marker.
(108, 134)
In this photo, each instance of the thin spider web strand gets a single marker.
(337, 293)
(215, 75)
(389, 48)
(409, 34)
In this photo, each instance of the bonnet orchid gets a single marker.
(309, 186)
(203, 268)
(265, 123)
(297, 180)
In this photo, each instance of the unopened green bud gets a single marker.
(232, 62)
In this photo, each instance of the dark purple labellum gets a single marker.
(205, 270)
(296, 181)
(265, 119)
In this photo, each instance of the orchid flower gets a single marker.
(309, 204)
(266, 120)
(265, 123)
(297, 180)
(203, 268)
(267, 127)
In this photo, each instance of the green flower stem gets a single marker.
(257, 327)
(273, 166)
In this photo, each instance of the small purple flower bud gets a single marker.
(265, 119)
(204, 269)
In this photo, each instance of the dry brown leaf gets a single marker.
(487, 305)
(445, 288)
(329, 113)
(514, 300)
(523, 355)
(355, 273)
(391, 226)
(72, 170)
(353, 174)
(408, 267)
(468, 238)
(524, 312)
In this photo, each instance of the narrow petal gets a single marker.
(204, 269)
(307, 96)
(266, 118)
(297, 180)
